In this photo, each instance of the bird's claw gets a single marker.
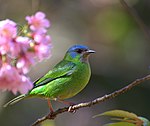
(71, 109)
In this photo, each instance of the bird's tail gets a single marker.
(15, 100)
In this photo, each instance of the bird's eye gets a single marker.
(79, 50)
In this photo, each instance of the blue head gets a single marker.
(78, 53)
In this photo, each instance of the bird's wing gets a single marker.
(61, 70)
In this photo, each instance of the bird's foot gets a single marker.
(71, 110)
(71, 104)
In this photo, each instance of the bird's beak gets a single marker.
(90, 51)
(87, 53)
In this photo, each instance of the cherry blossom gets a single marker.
(19, 51)
(8, 32)
(13, 81)
(38, 22)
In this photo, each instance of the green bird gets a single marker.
(65, 80)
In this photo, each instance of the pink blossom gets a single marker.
(11, 80)
(8, 32)
(42, 46)
(25, 85)
(19, 46)
(42, 38)
(25, 61)
(4, 48)
(18, 52)
(42, 51)
(0, 60)
(8, 29)
(38, 22)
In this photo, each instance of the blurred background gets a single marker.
(122, 55)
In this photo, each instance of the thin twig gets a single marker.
(91, 103)
(137, 18)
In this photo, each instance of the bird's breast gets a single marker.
(78, 81)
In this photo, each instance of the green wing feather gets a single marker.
(62, 69)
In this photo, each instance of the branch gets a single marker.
(53, 115)
(136, 17)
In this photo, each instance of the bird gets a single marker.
(65, 80)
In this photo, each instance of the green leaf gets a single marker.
(124, 118)
(120, 124)
(119, 113)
